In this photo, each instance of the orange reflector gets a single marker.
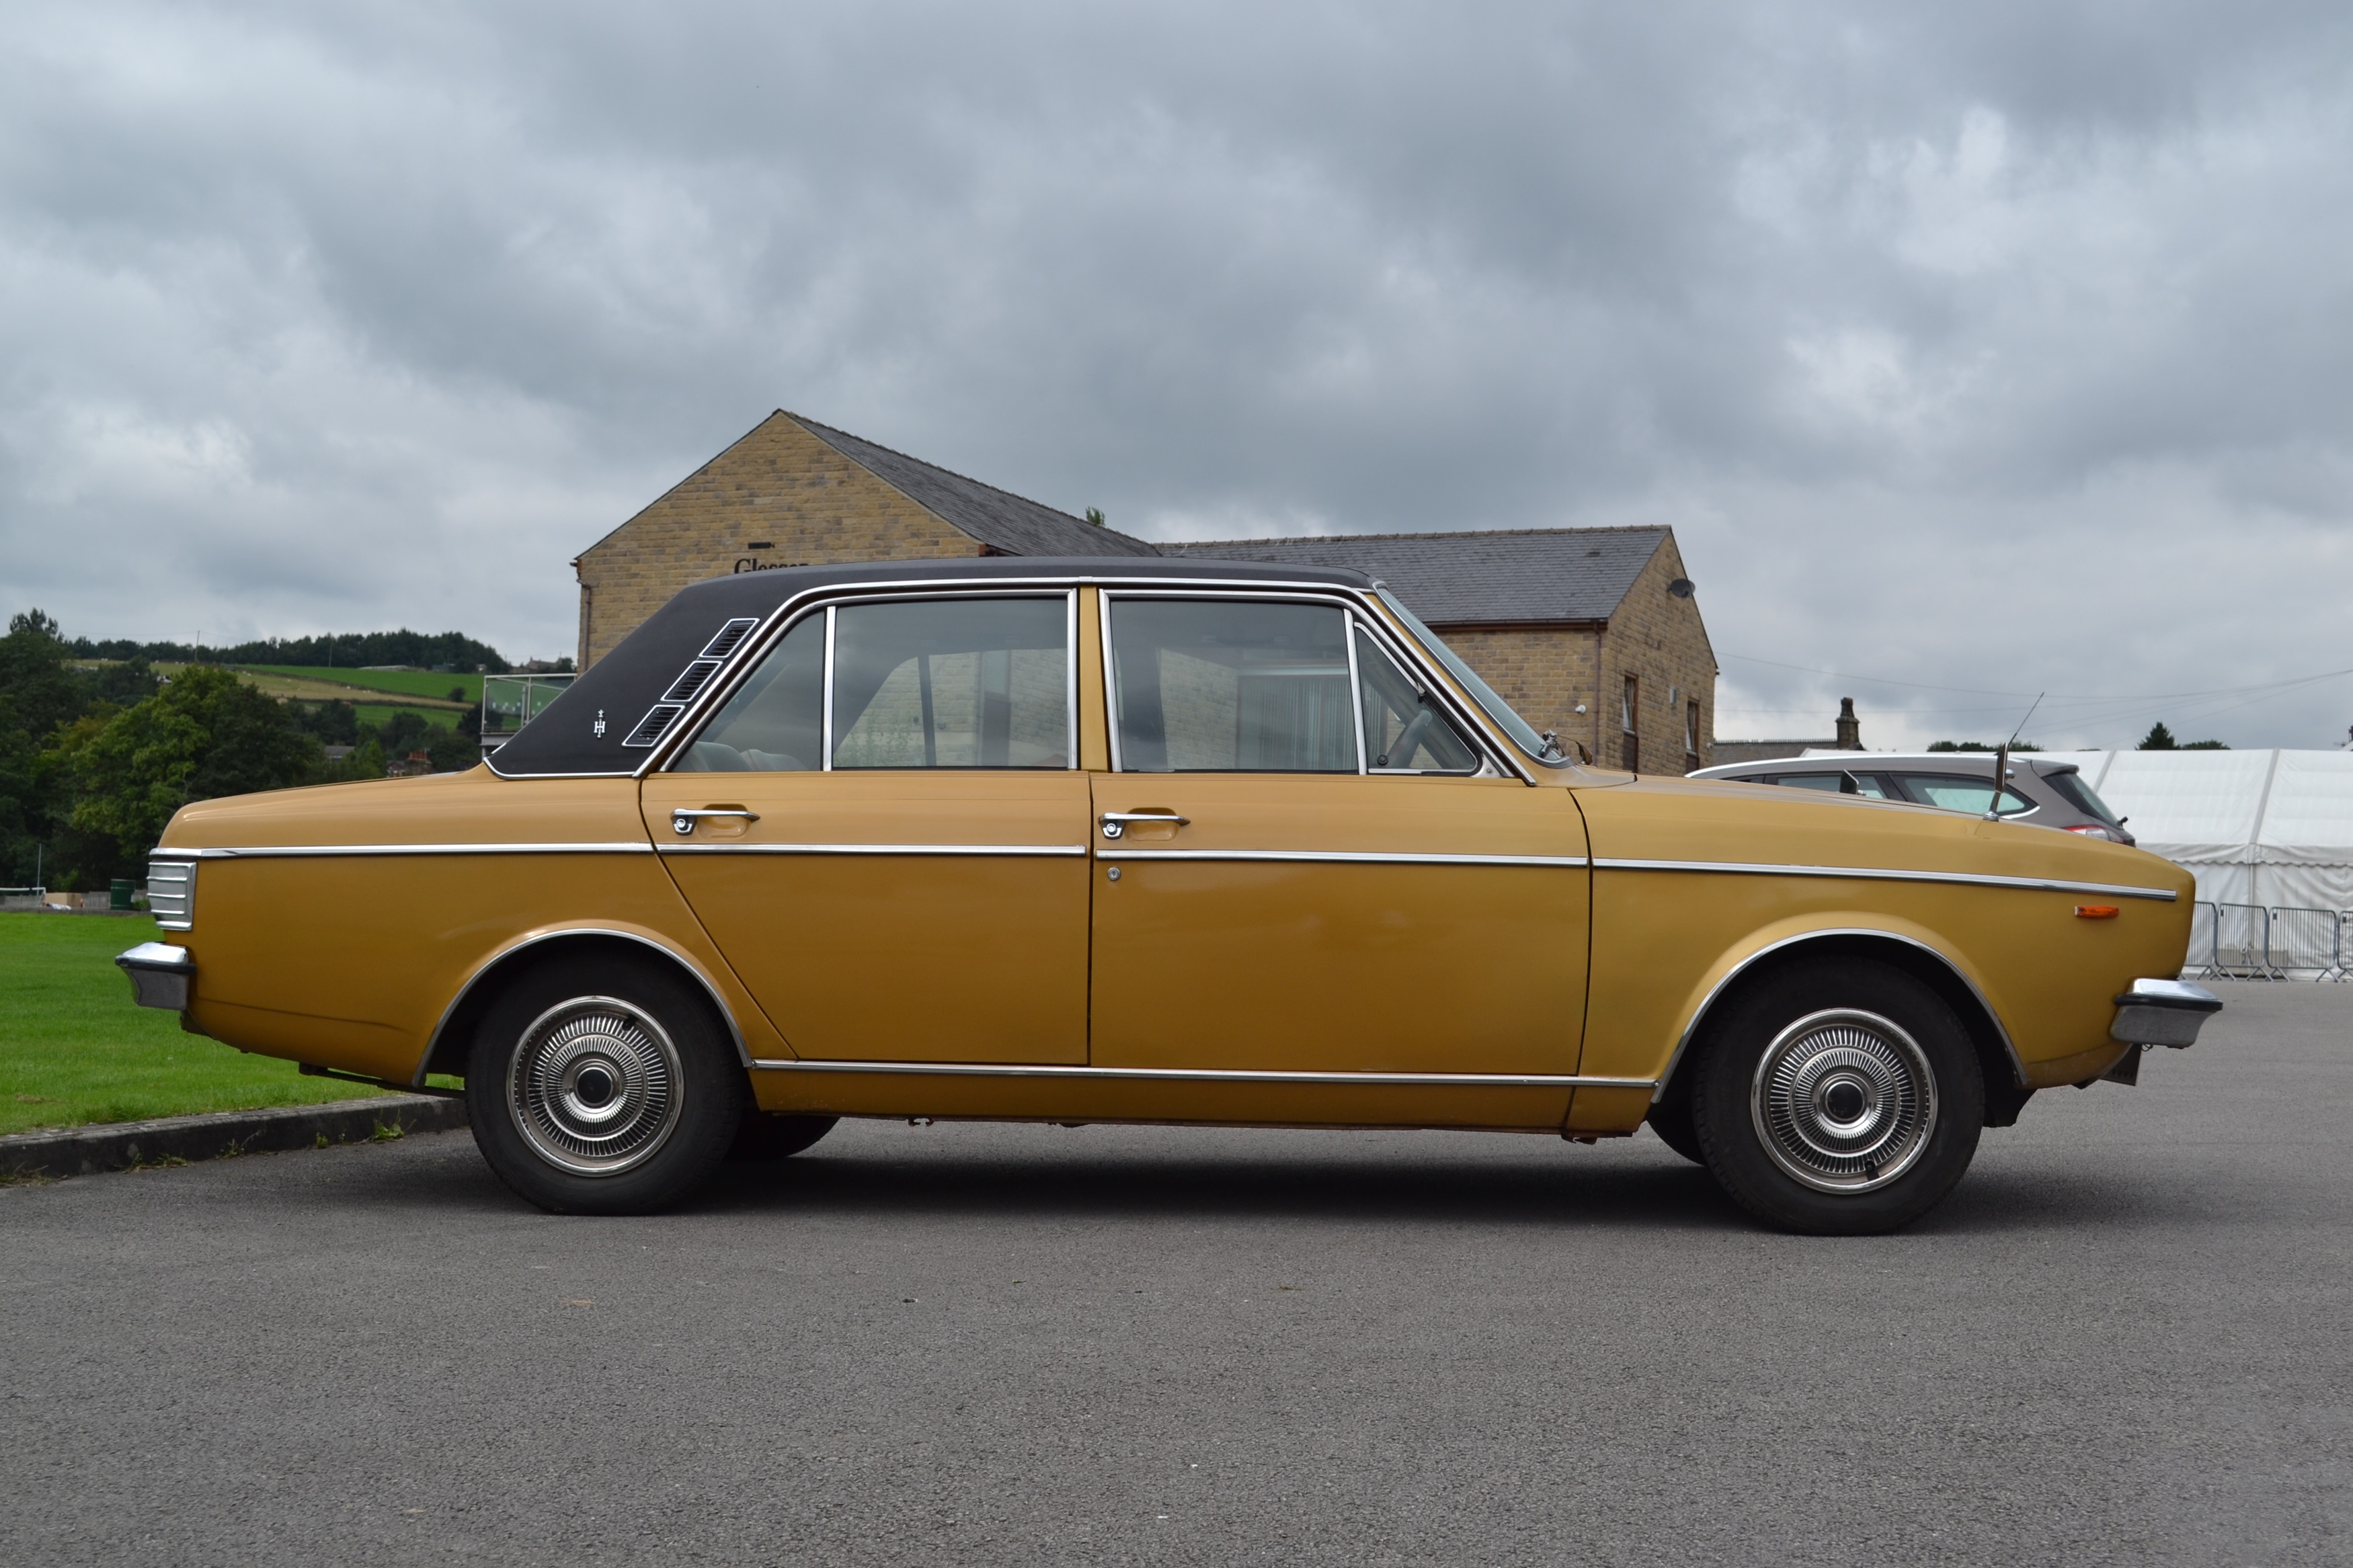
(2096, 911)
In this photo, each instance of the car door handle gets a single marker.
(1114, 823)
(682, 821)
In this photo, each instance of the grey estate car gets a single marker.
(2043, 789)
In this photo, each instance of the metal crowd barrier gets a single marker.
(2254, 942)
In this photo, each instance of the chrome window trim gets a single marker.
(911, 849)
(268, 851)
(1891, 874)
(433, 1041)
(1071, 676)
(1345, 857)
(1690, 1027)
(1356, 606)
(755, 646)
(1210, 1075)
(824, 692)
(1355, 693)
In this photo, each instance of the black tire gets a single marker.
(1837, 1097)
(1671, 1119)
(762, 1137)
(603, 1087)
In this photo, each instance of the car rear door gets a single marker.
(884, 831)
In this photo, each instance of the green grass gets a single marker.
(407, 682)
(74, 1049)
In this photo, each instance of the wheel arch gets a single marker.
(446, 1051)
(2005, 1075)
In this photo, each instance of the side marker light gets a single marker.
(2096, 911)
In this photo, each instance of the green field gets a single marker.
(74, 1049)
(407, 682)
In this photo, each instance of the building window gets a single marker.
(1691, 731)
(1629, 708)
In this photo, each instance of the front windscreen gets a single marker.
(1519, 729)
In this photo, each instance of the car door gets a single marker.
(883, 829)
(1301, 864)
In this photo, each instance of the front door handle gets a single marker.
(682, 821)
(1114, 822)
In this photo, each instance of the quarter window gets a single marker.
(1404, 730)
(1956, 793)
(1210, 685)
(774, 722)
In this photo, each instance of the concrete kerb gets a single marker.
(121, 1146)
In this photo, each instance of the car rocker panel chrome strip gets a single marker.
(1212, 1075)
(1891, 874)
(1010, 849)
(1342, 856)
(281, 851)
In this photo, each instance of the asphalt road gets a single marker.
(2125, 1340)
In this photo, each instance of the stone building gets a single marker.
(1592, 633)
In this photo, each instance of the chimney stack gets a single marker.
(1850, 728)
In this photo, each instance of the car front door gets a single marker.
(883, 829)
(1301, 864)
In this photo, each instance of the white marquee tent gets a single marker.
(2274, 828)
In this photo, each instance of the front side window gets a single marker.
(1404, 730)
(1215, 685)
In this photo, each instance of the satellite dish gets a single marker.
(1681, 587)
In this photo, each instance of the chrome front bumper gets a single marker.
(2163, 1013)
(161, 975)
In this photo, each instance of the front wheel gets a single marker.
(596, 1087)
(1837, 1099)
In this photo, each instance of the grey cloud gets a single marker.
(2002, 340)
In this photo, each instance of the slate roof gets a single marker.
(1531, 575)
(1005, 522)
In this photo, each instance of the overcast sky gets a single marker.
(2000, 347)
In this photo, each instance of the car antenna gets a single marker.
(2001, 761)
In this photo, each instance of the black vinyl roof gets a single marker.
(621, 689)
(1499, 576)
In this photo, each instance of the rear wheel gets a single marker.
(1837, 1099)
(596, 1087)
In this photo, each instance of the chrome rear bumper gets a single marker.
(161, 975)
(2163, 1013)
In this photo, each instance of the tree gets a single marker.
(1096, 516)
(2158, 739)
(204, 735)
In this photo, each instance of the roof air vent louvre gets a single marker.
(657, 720)
(729, 636)
(693, 678)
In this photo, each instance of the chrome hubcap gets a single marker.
(594, 1086)
(1844, 1101)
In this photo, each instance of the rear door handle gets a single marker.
(1114, 823)
(682, 821)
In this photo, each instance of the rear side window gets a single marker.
(1869, 784)
(2070, 788)
(1953, 793)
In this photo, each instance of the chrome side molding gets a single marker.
(2163, 1013)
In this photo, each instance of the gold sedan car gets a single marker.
(1160, 841)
